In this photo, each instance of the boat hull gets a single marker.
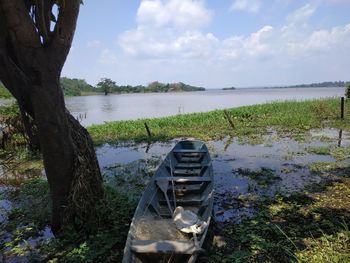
(184, 178)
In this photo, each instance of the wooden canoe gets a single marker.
(186, 176)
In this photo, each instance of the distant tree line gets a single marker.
(322, 84)
(77, 87)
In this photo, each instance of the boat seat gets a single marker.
(164, 246)
(188, 165)
(188, 151)
(185, 179)
(183, 171)
(184, 189)
(193, 199)
(190, 171)
(189, 159)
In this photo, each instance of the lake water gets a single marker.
(99, 109)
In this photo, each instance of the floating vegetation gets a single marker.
(264, 176)
(341, 153)
(322, 150)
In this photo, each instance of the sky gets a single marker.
(212, 43)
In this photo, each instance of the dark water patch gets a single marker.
(109, 155)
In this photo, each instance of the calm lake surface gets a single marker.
(99, 109)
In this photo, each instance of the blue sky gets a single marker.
(212, 43)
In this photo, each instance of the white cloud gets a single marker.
(302, 14)
(107, 57)
(94, 43)
(325, 42)
(148, 43)
(169, 28)
(252, 6)
(163, 48)
(257, 44)
(177, 13)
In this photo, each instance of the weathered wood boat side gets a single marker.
(183, 181)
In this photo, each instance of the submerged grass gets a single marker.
(287, 117)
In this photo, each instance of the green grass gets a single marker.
(304, 227)
(324, 150)
(263, 176)
(4, 93)
(286, 117)
(33, 212)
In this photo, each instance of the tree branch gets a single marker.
(21, 30)
(64, 30)
(40, 20)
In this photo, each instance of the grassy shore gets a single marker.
(285, 117)
(311, 225)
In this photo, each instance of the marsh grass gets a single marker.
(289, 117)
(324, 150)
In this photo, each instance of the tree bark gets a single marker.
(69, 158)
(31, 60)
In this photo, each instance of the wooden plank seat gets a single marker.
(184, 188)
(192, 172)
(164, 246)
(188, 165)
(188, 199)
(190, 159)
(185, 179)
(188, 151)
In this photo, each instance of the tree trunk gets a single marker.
(69, 158)
(31, 59)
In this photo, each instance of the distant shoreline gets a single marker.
(328, 84)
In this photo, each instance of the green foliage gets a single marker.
(107, 85)
(290, 117)
(9, 111)
(4, 93)
(32, 214)
(75, 87)
(263, 176)
(325, 150)
(78, 87)
(303, 227)
(107, 244)
(173, 87)
(340, 84)
(347, 92)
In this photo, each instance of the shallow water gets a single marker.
(285, 161)
(286, 158)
